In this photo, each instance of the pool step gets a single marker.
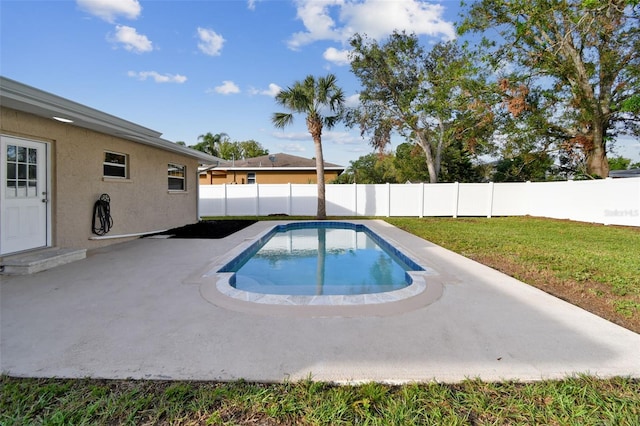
(41, 260)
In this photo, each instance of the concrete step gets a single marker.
(40, 260)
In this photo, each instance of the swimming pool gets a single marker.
(320, 263)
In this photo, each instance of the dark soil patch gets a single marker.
(209, 229)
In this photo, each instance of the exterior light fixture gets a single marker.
(62, 119)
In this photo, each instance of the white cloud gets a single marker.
(316, 18)
(340, 138)
(132, 41)
(157, 77)
(505, 67)
(352, 101)
(379, 18)
(337, 20)
(338, 57)
(210, 42)
(108, 10)
(226, 88)
(291, 147)
(292, 136)
(272, 91)
(251, 4)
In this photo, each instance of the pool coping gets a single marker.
(426, 287)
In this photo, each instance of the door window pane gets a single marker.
(11, 153)
(11, 188)
(11, 170)
(22, 171)
(22, 189)
(22, 154)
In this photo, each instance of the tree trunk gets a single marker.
(438, 160)
(322, 210)
(431, 165)
(597, 163)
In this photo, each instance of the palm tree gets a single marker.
(210, 143)
(311, 97)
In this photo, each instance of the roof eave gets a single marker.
(22, 97)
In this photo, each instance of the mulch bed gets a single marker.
(208, 229)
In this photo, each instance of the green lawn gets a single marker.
(574, 401)
(594, 266)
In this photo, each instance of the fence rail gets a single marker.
(607, 201)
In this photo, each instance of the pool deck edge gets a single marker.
(135, 310)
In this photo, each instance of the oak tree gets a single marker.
(583, 56)
(430, 98)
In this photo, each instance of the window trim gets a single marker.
(183, 177)
(124, 166)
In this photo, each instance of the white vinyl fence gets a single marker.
(607, 201)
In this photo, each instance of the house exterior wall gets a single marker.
(266, 176)
(141, 203)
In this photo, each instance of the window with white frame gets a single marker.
(251, 177)
(177, 174)
(115, 165)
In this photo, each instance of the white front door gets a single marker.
(24, 195)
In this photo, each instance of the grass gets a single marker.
(593, 266)
(578, 401)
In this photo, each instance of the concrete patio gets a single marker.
(135, 310)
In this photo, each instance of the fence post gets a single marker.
(490, 206)
(388, 199)
(528, 188)
(290, 200)
(355, 199)
(456, 196)
(224, 200)
(421, 200)
(605, 219)
(257, 199)
(637, 212)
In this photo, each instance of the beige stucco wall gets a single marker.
(267, 176)
(141, 203)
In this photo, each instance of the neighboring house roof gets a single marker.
(624, 173)
(28, 99)
(279, 162)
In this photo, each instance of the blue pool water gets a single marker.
(320, 258)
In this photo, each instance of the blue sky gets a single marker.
(185, 68)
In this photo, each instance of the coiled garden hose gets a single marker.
(102, 213)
